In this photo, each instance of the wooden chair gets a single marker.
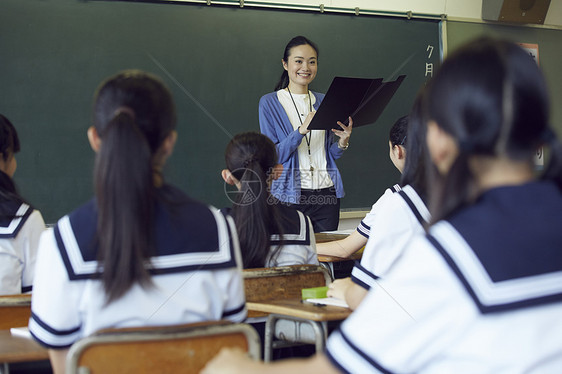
(164, 349)
(284, 282)
(15, 310)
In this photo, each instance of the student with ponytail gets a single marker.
(481, 292)
(141, 252)
(20, 224)
(311, 181)
(270, 234)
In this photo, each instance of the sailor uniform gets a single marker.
(364, 227)
(19, 237)
(298, 244)
(399, 217)
(481, 293)
(196, 274)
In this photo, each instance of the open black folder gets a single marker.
(359, 98)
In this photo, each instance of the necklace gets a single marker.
(300, 120)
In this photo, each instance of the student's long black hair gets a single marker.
(133, 114)
(9, 145)
(417, 156)
(492, 98)
(295, 42)
(251, 157)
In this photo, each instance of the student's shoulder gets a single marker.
(82, 217)
(174, 195)
(413, 202)
(179, 207)
(293, 221)
(14, 216)
(388, 197)
(289, 213)
(34, 225)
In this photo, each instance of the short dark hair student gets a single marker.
(141, 252)
(270, 234)
(481, 292)
(311, 181)
(20, 224)
(397, 137)
(399, 216)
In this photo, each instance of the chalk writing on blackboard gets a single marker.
(429, 65)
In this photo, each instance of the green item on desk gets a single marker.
(314, 293)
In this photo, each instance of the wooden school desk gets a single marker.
(323, 237)
(19, 349)
(297, 313)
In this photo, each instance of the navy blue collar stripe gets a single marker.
(412, 206)
(488, 295)
(80, 266)
(21, 213)
(363, 355)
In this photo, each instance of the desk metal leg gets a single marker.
(5, 368)
(320, 333)
(268, 339)
(321, 329)
(330, 267)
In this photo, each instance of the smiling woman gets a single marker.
(310, 181)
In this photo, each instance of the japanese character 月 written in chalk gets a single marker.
(429, 69)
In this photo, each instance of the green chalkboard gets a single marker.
(550, 52)
(218, 62)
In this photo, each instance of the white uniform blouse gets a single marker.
(196, 275)
(400, 216)
(19, 239)
(471, 297)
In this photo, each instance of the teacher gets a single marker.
(311, 181)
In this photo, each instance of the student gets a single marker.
(20, 224)
(399, 217)
(270, 234)
(358, 238)
(141, 252)
(481, 293)
(311, 181)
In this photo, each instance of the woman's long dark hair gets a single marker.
(251, 157)
(492, 98)
(295, 42)
(9, 145)
(417, 156)
(133, 114)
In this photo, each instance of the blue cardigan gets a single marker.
(275, 124)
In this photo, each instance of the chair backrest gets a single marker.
(15, 311)
(164, 349)
(284, 282)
